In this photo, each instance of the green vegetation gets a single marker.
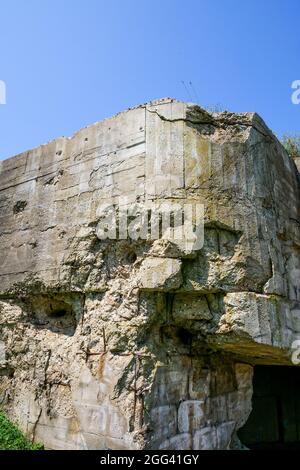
(291, 144)
(11, 438)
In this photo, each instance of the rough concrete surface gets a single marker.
(146, 342)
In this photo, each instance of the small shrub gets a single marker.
(11, 438)
(292, 145)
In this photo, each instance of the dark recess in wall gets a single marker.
(274, 422)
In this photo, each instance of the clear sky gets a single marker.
(69, 63)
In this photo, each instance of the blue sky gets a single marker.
(69, 63)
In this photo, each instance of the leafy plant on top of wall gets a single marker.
(291, 144)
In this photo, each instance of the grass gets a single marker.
(217, 108)
(11, 438)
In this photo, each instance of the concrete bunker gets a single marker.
(148, 343)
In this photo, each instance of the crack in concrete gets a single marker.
(211, 122)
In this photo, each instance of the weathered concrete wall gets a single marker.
(134, 343)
